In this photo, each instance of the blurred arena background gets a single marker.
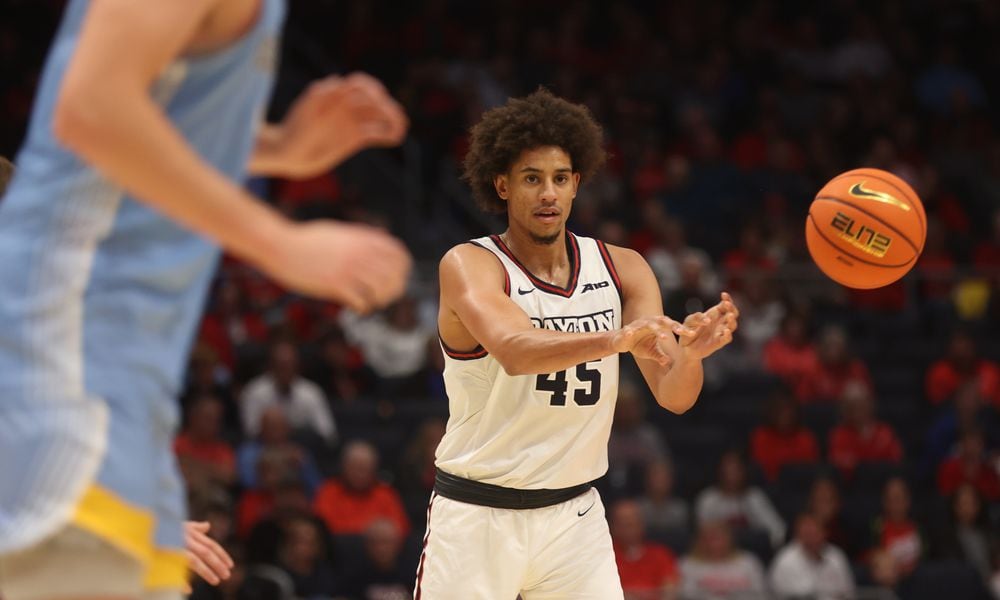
(309, 432)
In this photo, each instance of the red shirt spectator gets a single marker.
(969, 466)
(782, 440)
(230, 325)
(961, 365)
(894, 532)
(790, 355)
(646, 569)
(349, 505)
(834, 368)
(203, 456)
(859, 437)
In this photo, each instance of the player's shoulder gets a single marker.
(627, 261)
(470, 259)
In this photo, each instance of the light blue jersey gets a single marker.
(100, 297)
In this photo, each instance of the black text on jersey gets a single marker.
(594, 286)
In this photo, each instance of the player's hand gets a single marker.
(207, 558)
(333, 119)
(644, 338)
(359, 266)
(710, 330)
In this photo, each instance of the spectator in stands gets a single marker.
(750, 257)
(662, 511)
(257, 503)
(970, 465)
(790, 354)
(351, 502)
(229, 325)
(860, 437)
(275, 437)
(809, 567)
(732, 501)
(692, 295)
(206, 376)
(381, 575)
(340, 369)
(966, 534)
(834, 368)
(204, 457)
(962, 364)
(290, 501)
(894, 531)
(415, 474)
(394, 344)
(715, 569)
(648, 570)
(306, 558)
(761, 315)
(968, 411)
(782, 440)
(634, 442)
(825, 505)
(302, 400)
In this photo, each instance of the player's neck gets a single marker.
(548, 261)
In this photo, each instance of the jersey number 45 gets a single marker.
(586, 387)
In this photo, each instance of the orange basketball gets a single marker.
(866, 228)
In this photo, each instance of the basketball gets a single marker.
(866, 228)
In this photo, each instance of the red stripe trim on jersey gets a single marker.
(477, 352)
(506, 275)
(572, 249)
(606, 256)
(423, 551)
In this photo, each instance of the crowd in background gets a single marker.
(846, 442)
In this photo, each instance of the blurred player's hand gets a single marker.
(333, 119)
(359, 266)
(207, 558)
(642, 338)
(712, 329)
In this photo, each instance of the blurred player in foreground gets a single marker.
(532, 322)
(146, 120)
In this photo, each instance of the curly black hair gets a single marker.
(539, 119)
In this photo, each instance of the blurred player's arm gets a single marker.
(476, 310)
(675, 388)
(106, 115)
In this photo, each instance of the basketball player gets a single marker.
(146, 119)
(532, 322)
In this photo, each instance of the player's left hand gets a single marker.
(334, 118)
(207, 558)
(708, 331)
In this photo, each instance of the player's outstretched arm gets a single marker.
(105, 114)
(675, 388)
(475, 309)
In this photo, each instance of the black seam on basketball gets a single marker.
(872, 215)
(913, 201)
(860, 260)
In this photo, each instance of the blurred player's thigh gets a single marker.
(574, 559)
(71, 563)
(472, 552)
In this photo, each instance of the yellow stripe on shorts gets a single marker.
(104, 514)
(167, 569)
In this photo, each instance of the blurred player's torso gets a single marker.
(545, 431)
(101, 295)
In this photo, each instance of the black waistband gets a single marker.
(495, 496)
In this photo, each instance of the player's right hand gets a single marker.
(645, 337)
(359, 266)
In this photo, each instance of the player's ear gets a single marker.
(500, 184)
(576, 182)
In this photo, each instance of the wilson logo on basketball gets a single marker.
(862, 237)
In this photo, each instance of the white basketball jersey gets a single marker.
(538, 431)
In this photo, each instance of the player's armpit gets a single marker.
(677, 385)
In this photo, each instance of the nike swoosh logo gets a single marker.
(523, 292)
(583, 512)
(858, 191)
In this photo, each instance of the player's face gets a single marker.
(539, 190)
